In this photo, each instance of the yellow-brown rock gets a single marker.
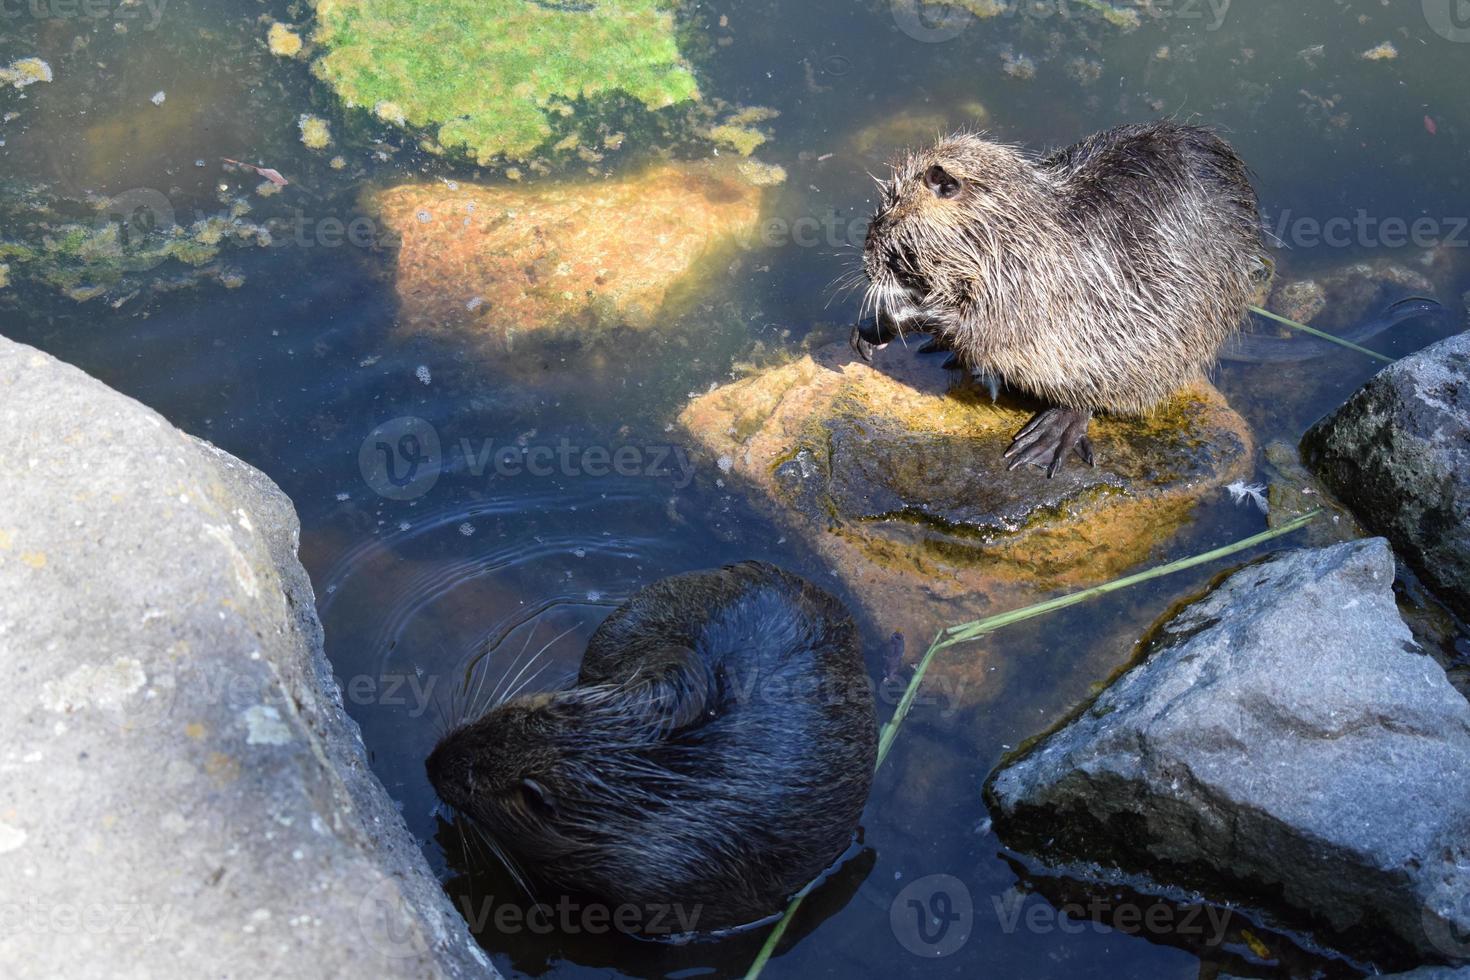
(561, 257)
(897, 476)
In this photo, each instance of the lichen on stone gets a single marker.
(283, 42)
(315, 133)
(26, 71)
(489, 73)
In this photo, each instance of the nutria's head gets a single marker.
(946, 214)
(571, 786)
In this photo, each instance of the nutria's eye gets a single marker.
(944, 184)
(537, 799)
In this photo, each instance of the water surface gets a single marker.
(424, 599)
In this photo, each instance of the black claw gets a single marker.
(872, 334)
(1049, 438)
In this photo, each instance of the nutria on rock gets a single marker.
(714, 755)
(1100, 278)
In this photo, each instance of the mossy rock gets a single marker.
(897, 474)
(490, 73)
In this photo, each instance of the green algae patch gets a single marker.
(491, 74)
(115, 248)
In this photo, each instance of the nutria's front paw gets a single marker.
(869, 335)
(1049, 437)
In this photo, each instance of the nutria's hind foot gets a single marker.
(1049, 437)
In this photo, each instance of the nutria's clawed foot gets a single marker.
(872, 334)
(1049, 437)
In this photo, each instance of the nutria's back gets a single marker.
(1104, 276)
(715, 754)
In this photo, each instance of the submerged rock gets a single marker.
(501, 261)
(901, 482)
(1398, 454)
(179, 776)
(493, 75)
(1282, 740)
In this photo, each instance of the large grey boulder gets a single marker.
(1282, 736)
(1398, 454)
(181, 792)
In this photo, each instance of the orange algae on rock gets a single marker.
(503, 260)
(897, 478)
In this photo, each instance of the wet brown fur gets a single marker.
(1102, 277)
(714, 756)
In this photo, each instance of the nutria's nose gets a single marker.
(448, 771)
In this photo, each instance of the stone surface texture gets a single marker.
(181, 792)
(1284, 741)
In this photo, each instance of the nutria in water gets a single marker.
(1100, 278)
(714, 755)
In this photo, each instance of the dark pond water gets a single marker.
(423, 598)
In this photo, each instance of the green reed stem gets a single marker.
(1319, 333)
(967, 632)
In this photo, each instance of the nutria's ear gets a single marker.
(674, 691)
(538, 799)
(941, 182)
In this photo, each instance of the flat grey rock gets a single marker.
(1398, 454)
(181, 792)
(1282, 737)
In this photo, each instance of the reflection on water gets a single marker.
(432, 602)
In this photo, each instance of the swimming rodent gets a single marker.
(1100, 278)
(714, 755)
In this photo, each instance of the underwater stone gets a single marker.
(558, 258)
(1398, 454)
(1282, 736)
(178, 770)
